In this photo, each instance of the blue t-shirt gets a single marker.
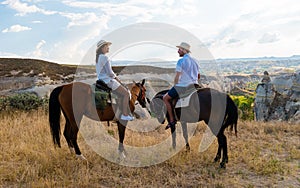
(189, 69)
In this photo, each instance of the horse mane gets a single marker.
(161, 94)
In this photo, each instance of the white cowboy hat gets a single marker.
(184, 46)
(102, 42)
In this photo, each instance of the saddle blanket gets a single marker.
(103, 98)
(184, 101)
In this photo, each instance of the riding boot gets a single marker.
(171, 125)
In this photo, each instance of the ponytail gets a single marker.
(98, 52)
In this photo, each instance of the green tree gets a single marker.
(245, 106)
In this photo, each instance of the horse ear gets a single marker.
(143, 82)
(133, 81)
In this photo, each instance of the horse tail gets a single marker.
(231, 115)
(54, 115)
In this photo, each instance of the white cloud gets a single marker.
(232, 40)
(78, 19)
(34, 1)
(24, 8)
(269, 38)
(38, 48)
(229, 28)
(16, 28)
(142, 11)
(37, 22)
(258, 25)
(75, 47)
(82, 4)
(39, 52)
(127, 9)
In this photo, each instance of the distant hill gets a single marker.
(15, 67)
(22, 74)
(32, 67)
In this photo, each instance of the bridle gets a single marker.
(157, 108)
(141, 96)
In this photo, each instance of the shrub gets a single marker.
(245, 106)
(23, 101)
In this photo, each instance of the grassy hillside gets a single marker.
(263, 155)
(32, 67)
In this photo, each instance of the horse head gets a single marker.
(158, 108)
(141, 93)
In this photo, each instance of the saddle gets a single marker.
(103, 95)
(184, 98)
(101, 85)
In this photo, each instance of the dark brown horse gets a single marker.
(75, 100)
(215, 108)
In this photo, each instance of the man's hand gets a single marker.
(176, 79)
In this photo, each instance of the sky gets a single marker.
(66, 31)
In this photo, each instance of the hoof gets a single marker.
(217, 158)
(173, 146)
(226, 160)
(187, 148)
(223, 165)
(81, 157)
(122, 154)
(72, 151)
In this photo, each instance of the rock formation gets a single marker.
(278, 99)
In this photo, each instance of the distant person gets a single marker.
(187, 73)
(266, 78)
(106, 74)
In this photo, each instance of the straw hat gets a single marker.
(102, 42)
(184, 46)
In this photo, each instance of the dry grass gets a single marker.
(264, 155)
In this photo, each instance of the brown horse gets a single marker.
(215, 108)
(75, 100)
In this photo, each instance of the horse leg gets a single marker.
(121, 130)
(218, 156)
(67, 135)
(185, 135)
(222, 140)
(73, 130)
(173, 132)
(73, 140)
(225, 152)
